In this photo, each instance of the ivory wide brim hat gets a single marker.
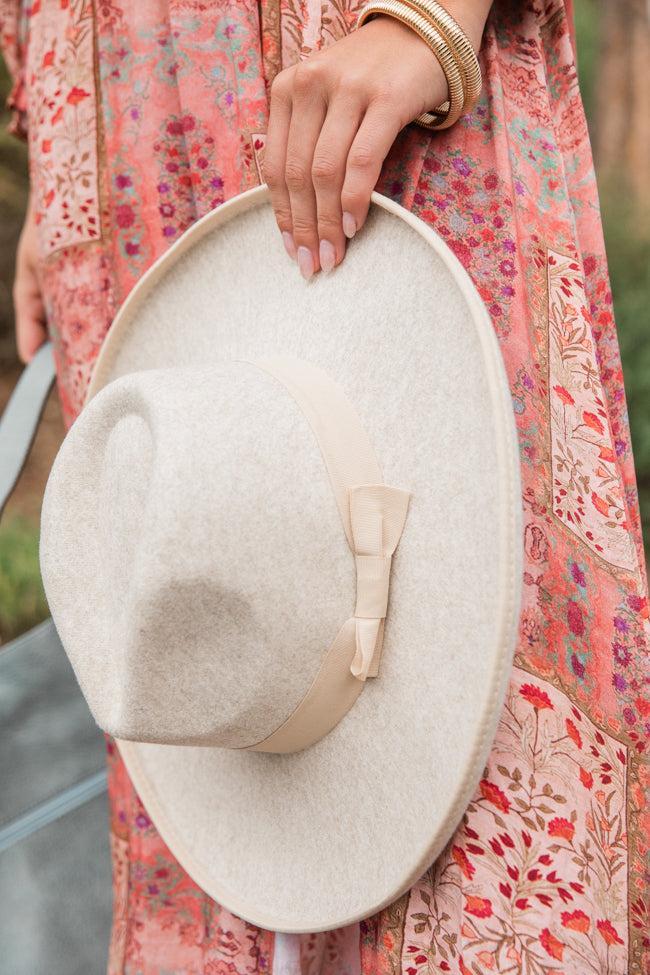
(198, 572)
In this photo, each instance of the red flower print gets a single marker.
(464, 970)
(77, 95)
(639, 604)
(493, 794)
(478, 906)
(551, 945)
(592, 421)
(574, 618)
(564, 395)
(125, 215)
(561, 827)
(599, 504)
(486, 958)
(608, 933)
(577, 666)
(460, 857)
(606, 453)
(586, 778)
(639, 911)
(643, 706)
(576, 921)
(573, 732)
(535, 696)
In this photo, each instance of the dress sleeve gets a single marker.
(12, 48)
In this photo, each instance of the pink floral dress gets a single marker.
(142, 116)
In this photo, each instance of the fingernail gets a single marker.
(289, 245)
(305, 262)
(327, 255)
(349, 225)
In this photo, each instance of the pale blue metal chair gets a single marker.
(55, 885)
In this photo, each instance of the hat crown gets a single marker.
(230, 573)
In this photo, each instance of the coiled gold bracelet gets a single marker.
(451, 46)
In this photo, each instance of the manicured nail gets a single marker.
(349, 225)
(327, 255)
(305, 262)
(289, 245)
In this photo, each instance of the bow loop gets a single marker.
(377, 517)
(368, 641)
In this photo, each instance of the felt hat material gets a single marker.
(199, 565)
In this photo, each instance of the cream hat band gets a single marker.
(373, 516)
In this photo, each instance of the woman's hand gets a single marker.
(333, 120)
(29, 310)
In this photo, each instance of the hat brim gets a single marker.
(321, 838)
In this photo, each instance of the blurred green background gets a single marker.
(613, 59)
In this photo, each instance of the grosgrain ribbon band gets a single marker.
(377, 516)
(373, 515)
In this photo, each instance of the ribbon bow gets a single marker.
(377, 517)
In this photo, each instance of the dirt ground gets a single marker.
(26, 499)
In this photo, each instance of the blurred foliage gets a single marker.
(22, 602)
(629, 267)
(627, 238)
(13, 200)
(586, 22)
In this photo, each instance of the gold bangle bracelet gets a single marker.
(458, 40)
(443, 116)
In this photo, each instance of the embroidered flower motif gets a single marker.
(564, 395)
(493, 794)
(461, 859)
(575, 920)
(551, 945)
(639, 604)
(622, 654)
(487, 959)
(76, 95)
(478, 906)
(535, 696)
(586, 778)
(561, 827)
(578, 575)
(575, 618)
(573, 732)
(608, 933)
(592, 421)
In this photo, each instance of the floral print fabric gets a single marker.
(142, 117)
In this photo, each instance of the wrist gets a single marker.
(453, 43)
(471, 15)
(415, 52)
